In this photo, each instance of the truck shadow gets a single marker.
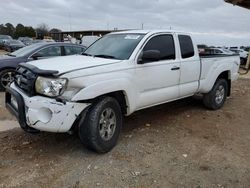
(162, 112)
(63, 144)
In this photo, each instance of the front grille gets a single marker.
(25, 80)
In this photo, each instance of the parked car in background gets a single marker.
(247, 49)
(4, 38)
(26, 40)
(13, 45)
(243, 54)
(88, 40)
(229, 52)
(9, 62)
(38, 41)
(48, 40)
(216, 51)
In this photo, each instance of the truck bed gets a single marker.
(212, 63)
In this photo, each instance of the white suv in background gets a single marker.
(243, 54)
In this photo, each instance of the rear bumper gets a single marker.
(41, 113)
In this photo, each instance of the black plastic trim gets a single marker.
(216, 55)
(175, 68)
(20, 112)
(38, 71)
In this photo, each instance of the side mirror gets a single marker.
(36, 56)
(149, 56)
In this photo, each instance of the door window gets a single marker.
(164, 44)
(187, 47)
(72, 50)
(49, 52)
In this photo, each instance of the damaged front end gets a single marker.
(36, 112)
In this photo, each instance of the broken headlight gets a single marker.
(51, 87)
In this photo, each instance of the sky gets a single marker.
(212, 22)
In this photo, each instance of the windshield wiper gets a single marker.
(86, 54)
(105, 56)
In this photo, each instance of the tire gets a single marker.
(100, 129)
(7, 49)
(216, 98)
(243, 61)
(6, 76)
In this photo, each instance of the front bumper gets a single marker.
(41, 113)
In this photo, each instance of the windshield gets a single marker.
(115, 46)
(25, 50)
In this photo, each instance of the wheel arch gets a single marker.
(227, 76)
(6, 68)
(207, 84)
(119, 95)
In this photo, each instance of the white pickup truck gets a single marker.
(121, 73)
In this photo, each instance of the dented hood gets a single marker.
(71, 63)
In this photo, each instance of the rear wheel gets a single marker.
(6, 76)
(216, 98)
(243, 61)
(101, 127)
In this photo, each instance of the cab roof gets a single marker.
(147, 32)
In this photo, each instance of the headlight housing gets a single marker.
(51, 87)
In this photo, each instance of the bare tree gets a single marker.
(42, 30)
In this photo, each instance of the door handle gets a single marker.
(175, 68)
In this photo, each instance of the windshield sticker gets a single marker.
(132, 37)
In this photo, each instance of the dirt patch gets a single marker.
(4, 114)
(2, 52)
(8, 125)
(180, 144)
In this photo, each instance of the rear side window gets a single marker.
(164, 44)
(187, 47)
(72, 50)
(50, 51)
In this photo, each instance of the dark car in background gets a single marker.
(9, 62)
(3, 39)
(12, 45)
(26, 40)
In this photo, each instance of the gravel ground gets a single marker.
(180, 144)
(2, 52)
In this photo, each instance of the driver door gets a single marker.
(158, 81)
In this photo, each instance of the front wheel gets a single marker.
(101, 127)
(6, 77)
(216, 98)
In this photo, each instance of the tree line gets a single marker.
(25, 31)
